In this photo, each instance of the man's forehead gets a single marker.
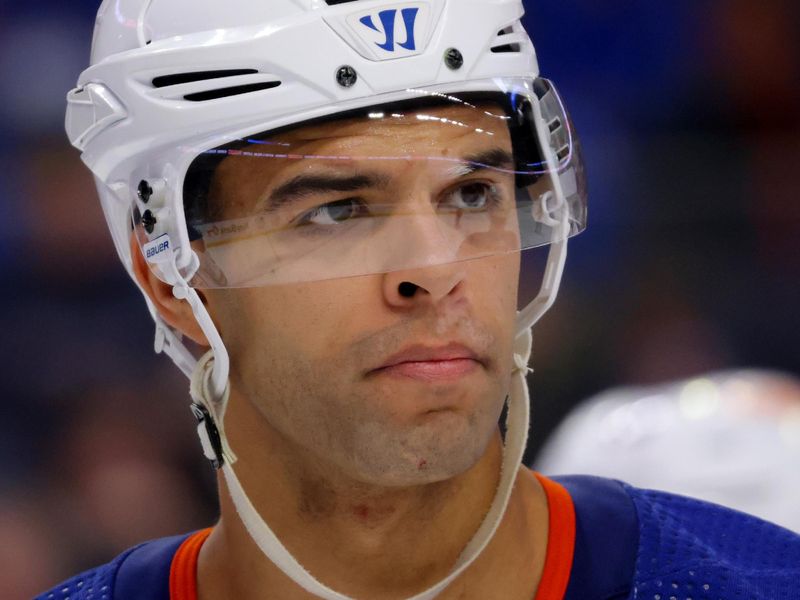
(457, 132)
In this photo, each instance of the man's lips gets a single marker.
(431, 363)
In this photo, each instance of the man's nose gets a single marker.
(429, 285)
(424, 266)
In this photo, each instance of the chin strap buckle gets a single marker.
(209, 435)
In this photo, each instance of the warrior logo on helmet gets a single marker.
(387, 18)
(392, 32)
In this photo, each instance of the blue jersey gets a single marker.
(629, 544)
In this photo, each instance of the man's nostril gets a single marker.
(407, 289)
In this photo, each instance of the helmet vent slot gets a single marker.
(507, 45)
(231, 91)
(506, 48)
(180, 78)
(335, 2)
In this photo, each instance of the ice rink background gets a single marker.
(689, 113)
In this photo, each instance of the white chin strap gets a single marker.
(209, 407)
(217, 450)
(210, 392)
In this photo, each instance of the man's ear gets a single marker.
(174, 312)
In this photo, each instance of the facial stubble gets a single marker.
(355, 423)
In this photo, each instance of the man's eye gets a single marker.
(332, 213)
(471, 197)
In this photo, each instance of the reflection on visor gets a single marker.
(347, 237)
(433, 180)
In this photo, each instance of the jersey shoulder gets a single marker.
(694, 549)
(606, 538)
(140, 573)
(632, 543)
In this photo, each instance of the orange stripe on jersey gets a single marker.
(560, 541)
(183, 570)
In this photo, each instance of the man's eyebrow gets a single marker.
(496, 158)
(305, 184)
(301, 185)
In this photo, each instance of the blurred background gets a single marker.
(689, 113)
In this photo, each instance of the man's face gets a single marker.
(399, 377)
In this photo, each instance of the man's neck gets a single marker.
(367, 541)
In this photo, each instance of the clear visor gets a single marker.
(407, 185)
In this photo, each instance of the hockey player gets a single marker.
(331, 199)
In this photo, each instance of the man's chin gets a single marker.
(424, 405)
(442, 445)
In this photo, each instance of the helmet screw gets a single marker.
(346, 76)
(453, 59)
(149, 221)
(145, 191)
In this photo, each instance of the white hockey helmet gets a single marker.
(177, 87)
